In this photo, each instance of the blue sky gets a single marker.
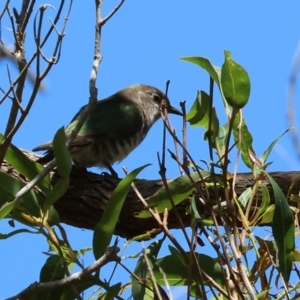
(142, 43)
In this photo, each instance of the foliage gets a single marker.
(226, 272)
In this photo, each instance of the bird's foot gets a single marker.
(79, 168)
(106, 174)
(112, 174)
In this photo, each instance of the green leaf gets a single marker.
(53, 216)
(296, 255)
(112, 292)
(268, 215)
(139, 290)
(243, 139)
(213, 71)
(54, 269)
(29, 203)
(80, 286)
(194, 211)
(9, 187)
(221, 139)
(265, 201)
(57, 192)
(235, 82)
(179, 188)
(266, 154)
(283, 228)
(200, 113)
(64, 166)
(106, 226)
(205, 64)
(176, 254)
(62, 155)
(245, 196)
(8, 207)
(142, 269)
(26, 166)
(177, 272)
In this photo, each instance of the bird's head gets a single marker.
(152, 100)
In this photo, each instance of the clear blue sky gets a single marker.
(142, 43)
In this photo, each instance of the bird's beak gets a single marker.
(174, 111)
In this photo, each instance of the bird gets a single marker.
(114, 128)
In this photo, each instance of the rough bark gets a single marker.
(88, 193)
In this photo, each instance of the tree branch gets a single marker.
(110, 255)
(83, 204)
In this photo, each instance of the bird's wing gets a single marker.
(110, 119)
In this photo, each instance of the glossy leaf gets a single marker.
(243, 139)
(80, 286)
(265, 201)
(268, 215)
(205, 64)
(296, 255)
(62, 155)
(221, 139)
(26, 166)
(142, 270)
(177, 272)
(54, 269)
(194, 211)
(245, 196)
(106, 226)
(9, 186)
(283, 228)
(200, 114)
(29, 203)
(8, 207)
(180, 188)
(176, 254)
(53, 216)
(57, 192)
(235, 82)
(266, 154)
(64, 166)
(111, 292)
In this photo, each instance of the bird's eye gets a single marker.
(156, 98)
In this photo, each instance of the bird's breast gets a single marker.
(105, 152)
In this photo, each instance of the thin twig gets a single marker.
(223, 257)
(3, 11)
(95, 67)
(109, 256)
(57, 16)
(200, 192)
(153, 279)
(14, 98)
(165, 229)
(21, 61)
(185, 166)
(9, 135)
(104, 20)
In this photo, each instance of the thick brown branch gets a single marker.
(84, 202)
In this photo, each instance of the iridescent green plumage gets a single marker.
(116, 126)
